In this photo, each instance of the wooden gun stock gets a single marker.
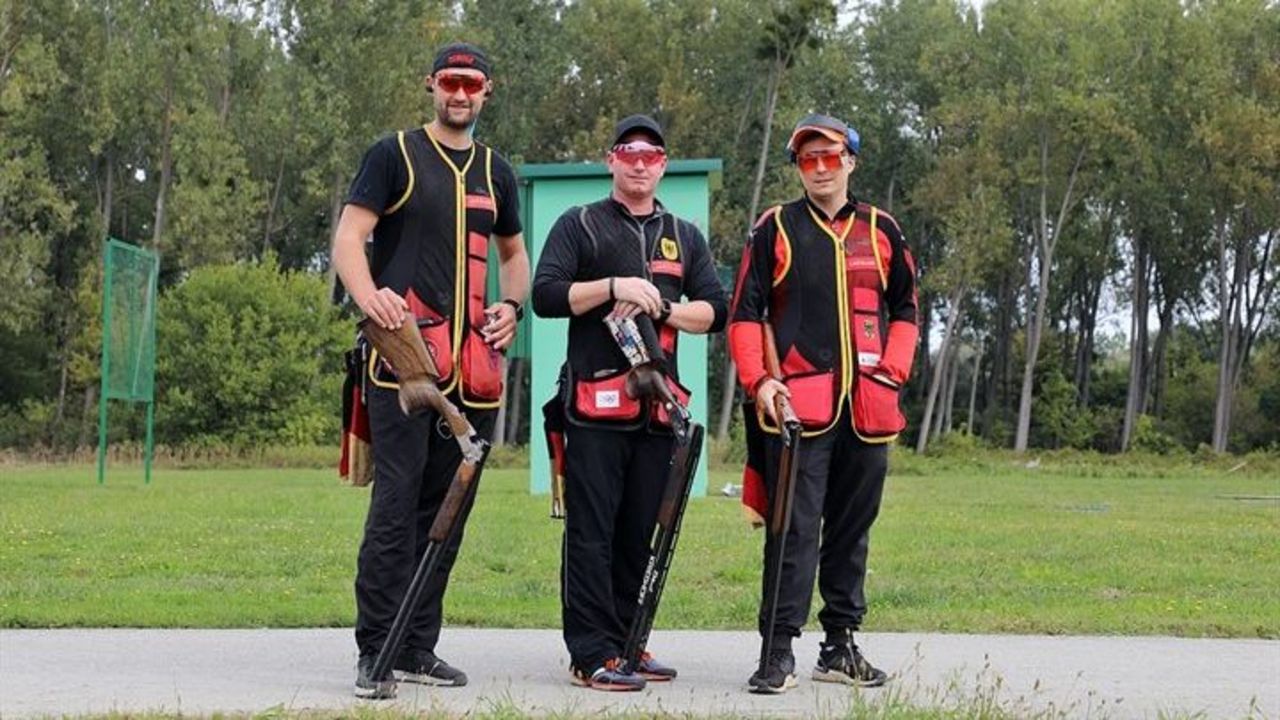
(404, 349)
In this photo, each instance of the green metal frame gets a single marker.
(106, 393)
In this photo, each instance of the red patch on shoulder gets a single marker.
(480, 202)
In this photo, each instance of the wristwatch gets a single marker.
(515, 304)
(666, 310)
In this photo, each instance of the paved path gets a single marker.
(55, 672)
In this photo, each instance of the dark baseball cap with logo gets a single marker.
(643, 123)
(461, 55)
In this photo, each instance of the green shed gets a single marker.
(546, 192)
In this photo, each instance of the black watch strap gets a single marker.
(666, 310)
(515, 304)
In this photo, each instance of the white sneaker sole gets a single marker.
(432, 680)
(382, 691)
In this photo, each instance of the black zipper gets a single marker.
(646, 256)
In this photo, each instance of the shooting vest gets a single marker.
(432, 247)
(827, 311)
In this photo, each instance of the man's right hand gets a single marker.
(638, 292)
(384, 307)
(765, 395)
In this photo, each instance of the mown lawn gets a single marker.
(986, 545)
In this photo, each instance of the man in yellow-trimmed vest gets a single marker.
(432, 198)
(834, 281)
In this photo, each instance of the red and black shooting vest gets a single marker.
(432, 246)
(826, 309)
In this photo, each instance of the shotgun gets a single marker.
(779, 520)
(407, 354)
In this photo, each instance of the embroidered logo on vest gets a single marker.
(670, 250)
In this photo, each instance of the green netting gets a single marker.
(129, 317)
(129, 282)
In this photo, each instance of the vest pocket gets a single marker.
(605, 398)
(813, 397)
(481, 369)
(875, 407)
(435, 333)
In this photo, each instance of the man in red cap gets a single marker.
(432, 199)
(834, 281)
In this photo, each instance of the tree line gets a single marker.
(1090, 189)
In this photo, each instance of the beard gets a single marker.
(449, 120)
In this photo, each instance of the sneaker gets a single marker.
(654, 671)
(841, 662)
(779, 674)
(368, 688)
(422, 666)
(608, 677)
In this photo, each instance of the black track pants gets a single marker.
(414, 463)
(838, 489)
(613, 486)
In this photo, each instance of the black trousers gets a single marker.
(415, 460)
(838, 487)
(613, 486)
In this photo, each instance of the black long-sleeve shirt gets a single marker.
(620, 245)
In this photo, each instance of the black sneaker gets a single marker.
(422, 666)
(841, 662)
(779, 674)
(608, 677)
(367, 687)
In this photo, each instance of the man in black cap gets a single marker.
(624, 256)
(432, 199)
(845, 329)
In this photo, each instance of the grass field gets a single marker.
(980, 546)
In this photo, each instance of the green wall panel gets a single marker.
(552, 189)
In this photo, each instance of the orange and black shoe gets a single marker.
(653, 671)
(608, 677)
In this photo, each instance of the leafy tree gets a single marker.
(32, 210)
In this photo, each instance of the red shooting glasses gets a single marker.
(809, 162)
(470, 84)
(642, 152)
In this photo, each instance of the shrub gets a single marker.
(1149, 438)
(248, 354)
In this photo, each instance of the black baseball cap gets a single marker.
(461, 55)
(632, 123)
